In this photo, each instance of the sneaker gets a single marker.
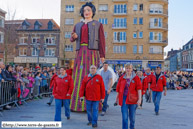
(35, 97)
(89, 123)
(68, 118)
(103, 113)
(94, 126)
(49, 103)
(40, 97)
(157, 113)
(7, 107)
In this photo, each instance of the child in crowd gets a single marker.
(31, 84)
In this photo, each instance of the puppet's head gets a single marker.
(88, 10)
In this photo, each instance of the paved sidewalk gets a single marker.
(176, 113)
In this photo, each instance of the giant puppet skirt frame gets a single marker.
(84, 59)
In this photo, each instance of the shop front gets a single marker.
(153, 64)
(32, 61)
(119, 64)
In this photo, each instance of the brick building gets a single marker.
(2, 33)
(38, 43)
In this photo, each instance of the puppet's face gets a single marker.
(88, 12)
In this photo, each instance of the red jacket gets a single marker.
(52, 80)
(95, 88)
(148, 76)
(144, 83)
(135, 85)
(62, 87)
(160, 83)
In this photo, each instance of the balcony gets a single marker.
(22, 44)
(119, 41)
(158, 40)
(158, 11)
(86, 0)
(119, 0)
(119, 14)
(159, 25)
(166, 1)
(119, 26)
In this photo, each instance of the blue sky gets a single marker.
(180, 16)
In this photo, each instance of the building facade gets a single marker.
(2, 34)
(38, 43)
(11, 39)
(187, 55)
(135, 31)
(173, 60)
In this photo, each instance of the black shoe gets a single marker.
(94, 126)
(68, 118)
(157, 113)
(89, 123)
(49, 103)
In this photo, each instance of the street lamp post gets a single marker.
(35, 46)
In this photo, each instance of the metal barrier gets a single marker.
(9, 92)
(6, 94)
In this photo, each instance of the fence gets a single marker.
(9, 94)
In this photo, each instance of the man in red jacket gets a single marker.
(56, 73)
(148, 93)
(158, 83)
(94, 91)
(144, 82)
(63, 87)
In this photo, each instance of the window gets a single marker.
(35, 40)
(120, 9)
(1, 37)
(36, 27)
(119, 36)
(50, 40)
(141, 7)
(24, 27)
(135, 20)
(155, 36)
(120, 23)
(141, 34)
(155, 50)
(49, 52)
(141, 49)
(68, 35)
(2, 22)
(103, 7)
(69, 48)
(156, 22)
(103, 20)
(69, 21)
(34, 52)
(135, 49)
(134, 35)
(135, 7)
(105, 34)
(22, 51)
(141, 21)
(50, 26)
(119, 49)
(156, 9)
(69, 8)
(23, 40)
